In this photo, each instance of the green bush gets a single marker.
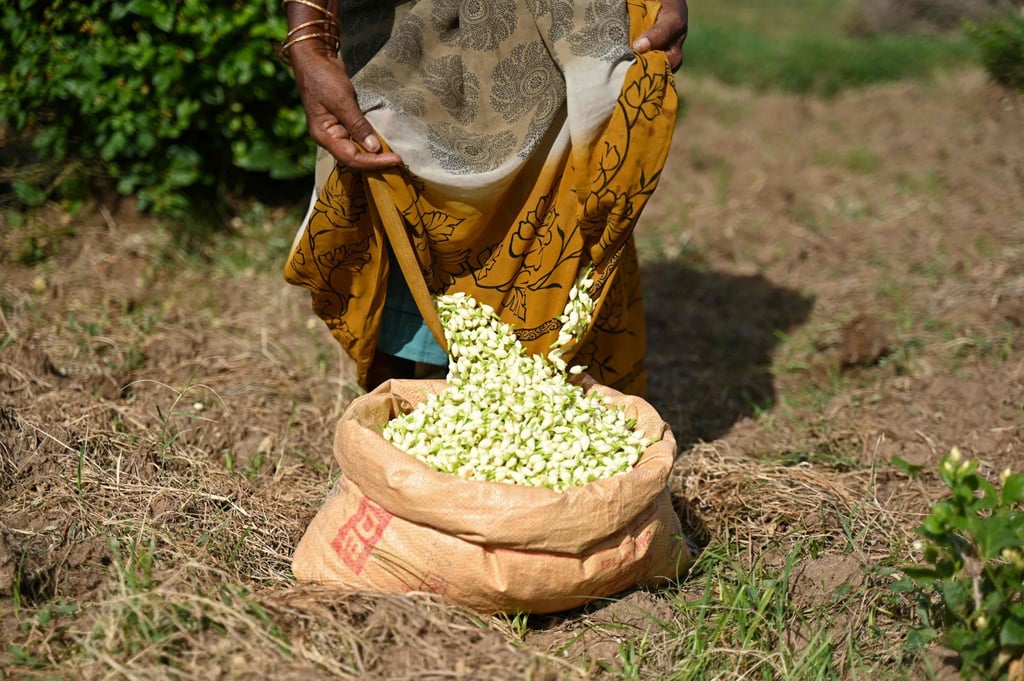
(969, 588)
(1001, 44)
(169, 98)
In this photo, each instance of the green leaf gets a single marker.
(919, 637)
(920, 573)
(933, 527)
(995, 534)
(114, 146)
(1013, 489)
(1012, 633)
(958, 637)
(956, 596)
(909, 468)
(28, 194)
(903, 585)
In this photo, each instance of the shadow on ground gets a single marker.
(710, 339)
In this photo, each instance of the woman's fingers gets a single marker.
(337, 138)
(359, 128)
(335, 120)
(668, 32)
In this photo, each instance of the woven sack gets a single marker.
(392, 524)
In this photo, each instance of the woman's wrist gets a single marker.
(314, 28)
(320, 43)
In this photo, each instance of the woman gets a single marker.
(497, 147)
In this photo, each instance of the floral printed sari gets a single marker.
(531, 136)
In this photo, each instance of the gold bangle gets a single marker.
(323, 10)
(331, 35)
(333, 43)
(317, 22)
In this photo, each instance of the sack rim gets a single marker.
(495, 513)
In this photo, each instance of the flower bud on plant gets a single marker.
(980, 593)
(1014, 557)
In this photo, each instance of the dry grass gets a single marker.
(150, 536)
(758, 501)
(166, 421)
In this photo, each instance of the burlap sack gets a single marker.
(392, 524)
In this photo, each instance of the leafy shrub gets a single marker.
(1001, 44)
(169, 98)
(970, 591)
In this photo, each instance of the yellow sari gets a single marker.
(532, 139)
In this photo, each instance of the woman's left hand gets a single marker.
(668, 32)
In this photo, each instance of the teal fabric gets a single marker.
(403, 332)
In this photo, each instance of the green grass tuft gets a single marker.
(815, 63)
(802, 46)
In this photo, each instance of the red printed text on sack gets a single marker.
(356, 538)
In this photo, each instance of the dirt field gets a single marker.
(830, 284)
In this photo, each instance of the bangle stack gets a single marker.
(327, 30)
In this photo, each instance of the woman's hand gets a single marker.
(668, 32)
(332, 112)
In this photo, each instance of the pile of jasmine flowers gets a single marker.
(507, 416)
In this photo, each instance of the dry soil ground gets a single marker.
(830, 284)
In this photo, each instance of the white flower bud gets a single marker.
(511, 417)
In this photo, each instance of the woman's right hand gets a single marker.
(333, 115)
(668, 32)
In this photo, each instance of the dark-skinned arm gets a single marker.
(333, 115)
